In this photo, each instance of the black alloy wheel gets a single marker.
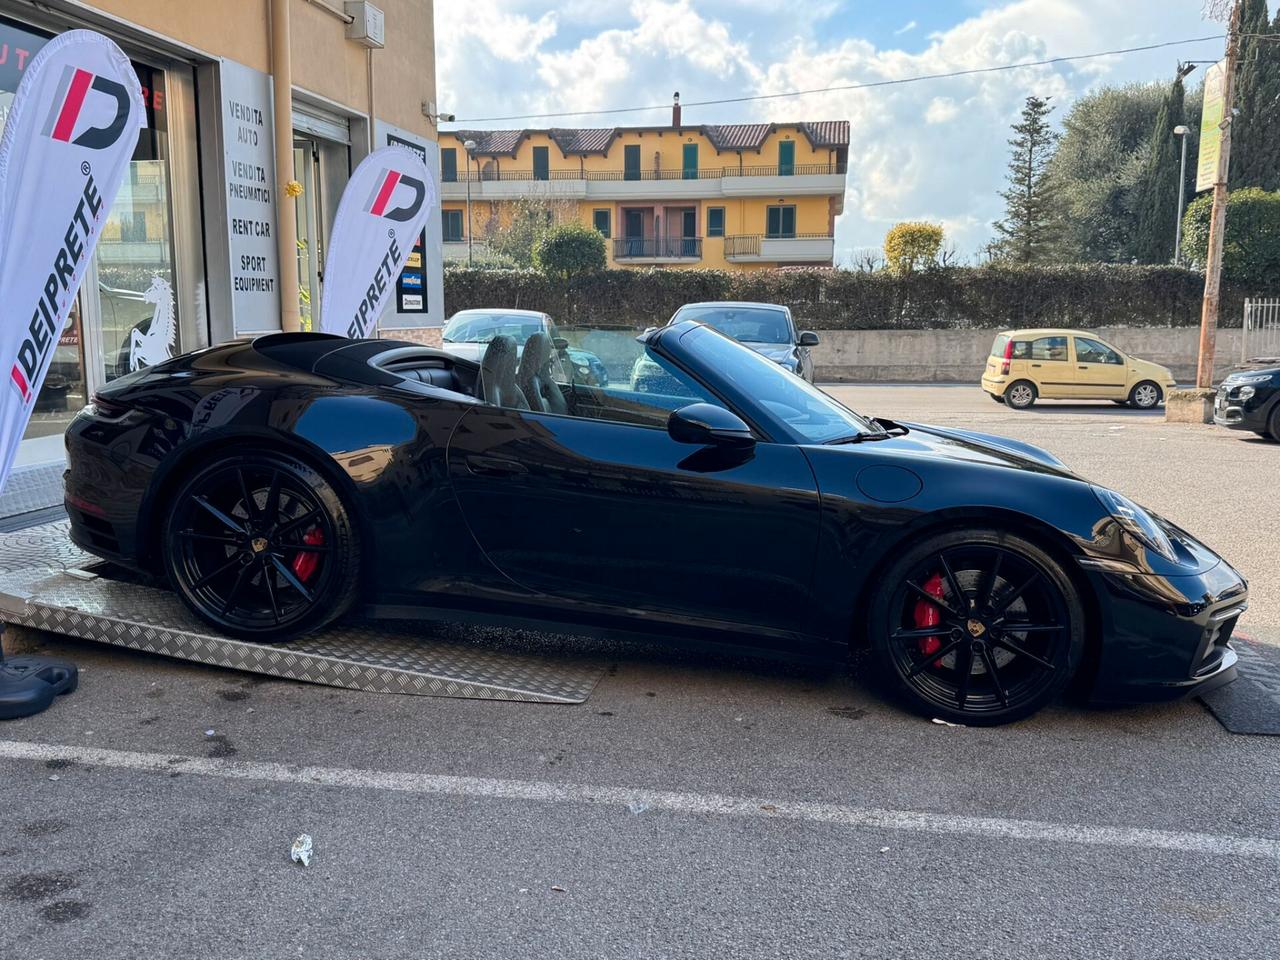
(977, 627)
(262, 547)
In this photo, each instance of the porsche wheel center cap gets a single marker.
(976, 628)
(260, 543)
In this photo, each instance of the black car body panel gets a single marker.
(1248, 400)
(496, 514)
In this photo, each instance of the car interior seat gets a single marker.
(534, 376)
(498, 375)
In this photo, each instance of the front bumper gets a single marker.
(1236, 413)
(1167, 637)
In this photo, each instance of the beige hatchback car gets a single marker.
(1058, 364)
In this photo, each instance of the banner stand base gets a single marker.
(30, 684)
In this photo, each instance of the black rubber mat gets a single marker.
(1252, 703)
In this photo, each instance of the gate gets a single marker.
(1261, 334)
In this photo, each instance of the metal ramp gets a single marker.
(47, 583)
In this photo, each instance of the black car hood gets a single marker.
(969, 446)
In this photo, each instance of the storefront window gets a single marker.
(135, 253)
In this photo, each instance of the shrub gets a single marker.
(911, 245)
(1251, 248)
(568, 250)
(994, 295)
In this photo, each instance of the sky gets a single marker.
(934, 150)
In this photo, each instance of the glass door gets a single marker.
(306, 209)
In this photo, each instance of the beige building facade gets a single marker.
(206, 242)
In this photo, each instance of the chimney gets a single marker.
(675, 110)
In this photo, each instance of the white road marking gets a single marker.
(703, 804)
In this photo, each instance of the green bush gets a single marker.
(568, 250)
(910, 245)
(1251, 248)
(995, 295)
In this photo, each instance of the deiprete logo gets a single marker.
(68, 103)
(387, 182)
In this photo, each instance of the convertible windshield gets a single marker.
(744, 324)
(477, 327)
(803, 407)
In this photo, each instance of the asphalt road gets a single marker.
(698, 805)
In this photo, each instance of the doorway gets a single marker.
(322, 166)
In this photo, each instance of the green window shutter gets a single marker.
(449, 165)
(788, 221)
(715, 221)
(452, 224)
(601, 220)
(691, 161)
(631, 162)
(786, 158)
(541, 164)
(773, 222)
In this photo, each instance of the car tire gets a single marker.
(1273, 422)
(1021, 394)
(262, 547)
(1002, 580)
(1145, 395)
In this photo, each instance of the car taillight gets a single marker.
(1008, 355)
(100, 406)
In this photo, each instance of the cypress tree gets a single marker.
(1157, 205)
(1028, 232)
(1255, 135)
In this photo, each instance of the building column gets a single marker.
(286, 223)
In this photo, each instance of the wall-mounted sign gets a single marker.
(249, 154)
(419, 299)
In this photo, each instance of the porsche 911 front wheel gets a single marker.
(977, 627)
(262, 547)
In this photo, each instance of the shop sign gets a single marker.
(249, 166)
(419, 289)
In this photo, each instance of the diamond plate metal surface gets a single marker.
(32, 488)
(48, 584)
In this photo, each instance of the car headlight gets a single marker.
(1136, 521)
(1245, 393)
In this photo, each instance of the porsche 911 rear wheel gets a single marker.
(977, 627)
(262, 547)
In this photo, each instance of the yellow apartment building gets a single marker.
(730, 196)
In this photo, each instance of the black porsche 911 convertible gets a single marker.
(280, 483)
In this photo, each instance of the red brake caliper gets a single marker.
(305, 562)
(927, 614)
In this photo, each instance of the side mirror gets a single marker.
(808, 339)
(705, 424)
(560, 343)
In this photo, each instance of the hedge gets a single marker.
(1085, 296)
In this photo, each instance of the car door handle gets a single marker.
(1083, 367)
(481, 465)
(1035, 364)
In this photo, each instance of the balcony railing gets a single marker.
(768, 246)
(702, 173)
(657, 248)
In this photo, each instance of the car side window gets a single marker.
(1091, 351)
(1049, 348)
(646, 397)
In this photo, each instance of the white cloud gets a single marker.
(906, 28)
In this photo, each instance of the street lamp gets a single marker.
(1181, 132)
(470, 147)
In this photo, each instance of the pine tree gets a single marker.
(1255, 131)
(1029, 229)
(1157, 206)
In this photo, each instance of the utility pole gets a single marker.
(1218, 220)
(1180, 131)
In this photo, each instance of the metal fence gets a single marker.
(1261, 334)
(497, 172)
